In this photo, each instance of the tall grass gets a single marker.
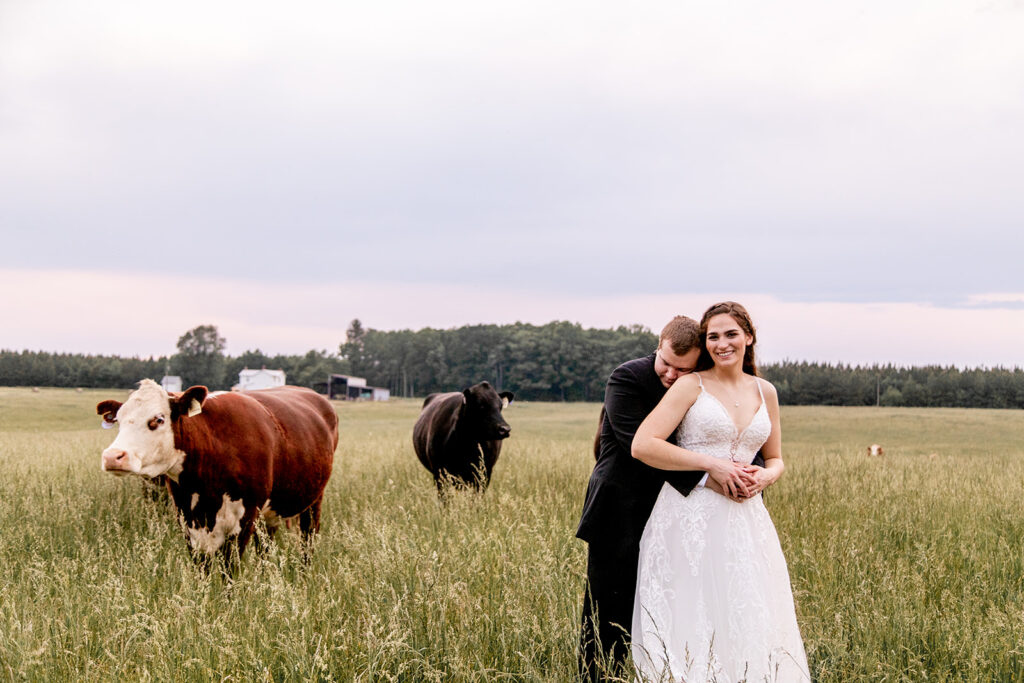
(904, 568)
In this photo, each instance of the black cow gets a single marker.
(458, 435)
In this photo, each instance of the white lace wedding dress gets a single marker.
(713, 600)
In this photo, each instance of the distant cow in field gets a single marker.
(228, 457)
(874, 450)
(458, 435)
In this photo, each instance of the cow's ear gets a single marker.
(108, 409)
(190, 402)
(506, 398)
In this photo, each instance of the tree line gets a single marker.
(558, 361)
(802, 383)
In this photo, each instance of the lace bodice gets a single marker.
(708, 428)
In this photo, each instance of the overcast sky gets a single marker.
(850, 171)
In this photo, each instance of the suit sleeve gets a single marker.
(625, 406)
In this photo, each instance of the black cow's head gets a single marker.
(483, 411)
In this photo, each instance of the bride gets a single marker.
(713, 600)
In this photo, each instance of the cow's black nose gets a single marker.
(504, 432)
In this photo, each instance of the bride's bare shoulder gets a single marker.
(691, 380)
(768, 388)
(686, 386)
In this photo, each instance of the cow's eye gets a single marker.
(155, 422)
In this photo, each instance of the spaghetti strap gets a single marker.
(700, 381)
(758, 380)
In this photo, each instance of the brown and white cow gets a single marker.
(229, 457)
(875, 450)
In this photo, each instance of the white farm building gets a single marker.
(171, 383)
(249, 380)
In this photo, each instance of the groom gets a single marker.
(621, 495)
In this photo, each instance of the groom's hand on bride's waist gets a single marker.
(717, 488)
(760, 479)
(733, 478)
(749, 481)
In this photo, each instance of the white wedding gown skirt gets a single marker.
(713, 599)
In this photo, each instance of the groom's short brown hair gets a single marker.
(682, 333)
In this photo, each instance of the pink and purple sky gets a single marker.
(849, 172)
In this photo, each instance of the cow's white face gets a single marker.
(145, 441)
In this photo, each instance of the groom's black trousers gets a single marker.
(607, 609)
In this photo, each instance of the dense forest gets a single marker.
(559, 361)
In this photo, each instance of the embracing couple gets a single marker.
(684, 567)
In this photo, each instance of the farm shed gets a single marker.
(349, 388)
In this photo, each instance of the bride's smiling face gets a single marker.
(726, 341)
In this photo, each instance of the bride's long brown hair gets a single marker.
(742, 318)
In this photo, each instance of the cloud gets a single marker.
(1001, 300)
(811, 151)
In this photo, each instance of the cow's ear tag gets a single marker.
(195, 408)
(107, 425)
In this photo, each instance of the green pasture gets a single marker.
(908, 567)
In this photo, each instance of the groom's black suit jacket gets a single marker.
(622, 490)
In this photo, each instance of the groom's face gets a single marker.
(670, 366)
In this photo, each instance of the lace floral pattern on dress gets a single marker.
(713, 600)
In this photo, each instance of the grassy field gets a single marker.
(905, 568)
